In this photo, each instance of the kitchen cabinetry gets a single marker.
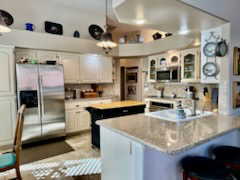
(105, 70)
(162, 61)
(89, 68)
(129, 166)
(84, 68)
(152, 71)
(71, 66)
(25, 54)
(95, 69)
(7, 120)
(174, 58)
(110, 112)
(190, 64)
(77, 118)
(44, 56)
(7, 71)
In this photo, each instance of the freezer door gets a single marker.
(52, 99)
(28, 93)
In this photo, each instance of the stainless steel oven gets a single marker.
(132, 75)
(169, 74)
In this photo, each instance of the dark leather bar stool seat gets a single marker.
(202, 168)
(228, 155)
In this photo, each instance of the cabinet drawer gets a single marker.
(74, 105)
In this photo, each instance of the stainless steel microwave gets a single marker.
(169, 74)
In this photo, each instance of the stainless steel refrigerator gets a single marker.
(41, 88)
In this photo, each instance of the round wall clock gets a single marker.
(209, 49)
(210, 69)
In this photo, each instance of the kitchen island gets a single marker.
(139, 147)
(111, 110)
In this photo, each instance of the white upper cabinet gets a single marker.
(89, 68)
(78, 68)
(44, 56)
(105, 70)
(25, 54)
(190, 60)
(7, 71)
(162, 61)
(95, 69)
(174, 59)
(71, 66)
(152, 68)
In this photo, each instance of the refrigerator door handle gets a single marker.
(41, 96)
(39, 102)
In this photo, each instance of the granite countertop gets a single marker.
(169, 137)
(90, 99)
(117, 104)
(165, 99)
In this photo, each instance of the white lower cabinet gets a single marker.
(7, 120)
(77, 120)
(121, 157)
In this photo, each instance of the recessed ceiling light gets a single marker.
(140, 21)
(184, 32)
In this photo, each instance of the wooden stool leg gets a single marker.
(18, 173)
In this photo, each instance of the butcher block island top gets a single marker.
(169, 137)
(117, 104)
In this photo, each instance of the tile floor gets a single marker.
(82, 150)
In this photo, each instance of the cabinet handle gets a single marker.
(125, 111)
(77, 105)
(130, 148)
(78, 112)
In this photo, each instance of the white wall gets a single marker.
(38, 11)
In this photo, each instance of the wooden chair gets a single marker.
(11, 160)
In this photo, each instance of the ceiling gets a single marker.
(227, 9)
(166, 15)
(96, 6)
(177, 16)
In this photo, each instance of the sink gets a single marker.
(171, 115)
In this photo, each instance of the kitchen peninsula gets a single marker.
(111, 110)
(140, 147)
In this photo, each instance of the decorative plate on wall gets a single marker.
(209, 49)
(210, 69)
(53, 28)
(8, 19)
(95, 31)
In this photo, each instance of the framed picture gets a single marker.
(236, 61)
(236, 95)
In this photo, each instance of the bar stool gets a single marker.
(230, 156)
(203, 168)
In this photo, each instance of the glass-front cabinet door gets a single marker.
(152, 71)
(190, 65)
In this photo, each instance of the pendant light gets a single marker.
(3, 27)
(106, 38)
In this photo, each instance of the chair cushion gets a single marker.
(7, 160)
(227, 154)
(205, 168)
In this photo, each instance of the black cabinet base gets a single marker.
(98, 114)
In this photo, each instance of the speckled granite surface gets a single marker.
(171, 137)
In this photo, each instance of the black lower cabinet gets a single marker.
(101, 114)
